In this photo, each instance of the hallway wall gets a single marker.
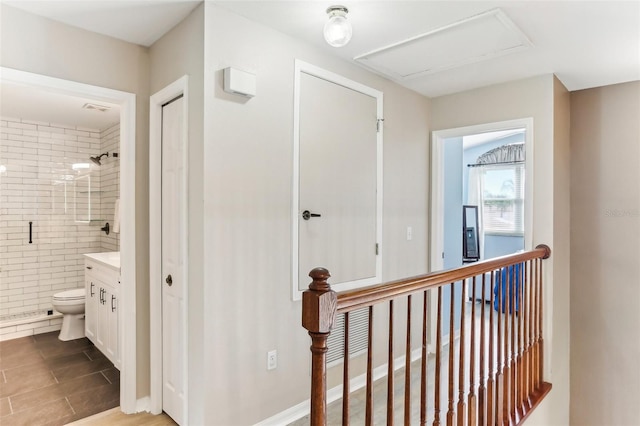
(605, 242)
(181, 52)
(532, 97)
(248, 157)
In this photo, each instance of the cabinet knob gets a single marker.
(169, 280)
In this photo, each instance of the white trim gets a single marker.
(143, 404)
(306, 68)
(128, 353)
(127, 102)
(437, 189)
(172, 91)
(437, 181)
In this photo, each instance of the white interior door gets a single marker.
(338, 215)
(173, 267)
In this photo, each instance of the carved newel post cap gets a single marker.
(319, 303)
(319, 277)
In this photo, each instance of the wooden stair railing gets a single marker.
(499, 351)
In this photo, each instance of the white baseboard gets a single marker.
(298, 411)
(287, 416)
(143, 405)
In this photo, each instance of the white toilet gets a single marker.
(70, 303)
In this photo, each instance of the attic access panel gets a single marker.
(481, 37)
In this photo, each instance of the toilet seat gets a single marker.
(70, 295)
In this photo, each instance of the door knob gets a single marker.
(169, 280)
(306, 215)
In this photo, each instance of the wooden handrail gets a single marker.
(356, 299)
(510, 355)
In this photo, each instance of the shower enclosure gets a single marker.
(53, 203)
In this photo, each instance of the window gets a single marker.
(503, 199)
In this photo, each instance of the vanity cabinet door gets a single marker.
(102, 333)
(91, 308)
(112, 342)
(102, 310)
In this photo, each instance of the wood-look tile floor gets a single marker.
(47, 382)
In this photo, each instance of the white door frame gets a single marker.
(437, 189)
(127, 103)
(306, 68)
(172, 91)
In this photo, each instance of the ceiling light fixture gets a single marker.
(337, 30)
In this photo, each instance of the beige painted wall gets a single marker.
(605, 242)
(247, 222)
(181, 52)
(534, 97)
(38, 45)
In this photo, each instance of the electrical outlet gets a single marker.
(409, 233)
(272, 360)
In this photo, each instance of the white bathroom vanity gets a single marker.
(102, 313)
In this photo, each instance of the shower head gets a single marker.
(97, 158)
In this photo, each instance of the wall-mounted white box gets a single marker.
(239, 82)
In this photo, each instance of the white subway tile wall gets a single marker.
(38, 184)
(110, 184)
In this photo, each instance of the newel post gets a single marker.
(318, 312)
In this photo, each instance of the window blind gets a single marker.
(503, 199)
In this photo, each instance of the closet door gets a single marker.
(338, 172)
(173, 255)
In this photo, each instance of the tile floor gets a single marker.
(44, 381)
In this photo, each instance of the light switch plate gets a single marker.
(272, 360)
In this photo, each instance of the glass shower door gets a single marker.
(19, 223)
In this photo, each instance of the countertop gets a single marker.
(110, 259)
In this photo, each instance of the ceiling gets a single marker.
(141, 22)
(585, 43)
(31, 103)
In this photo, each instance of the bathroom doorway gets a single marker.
(55, 170)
